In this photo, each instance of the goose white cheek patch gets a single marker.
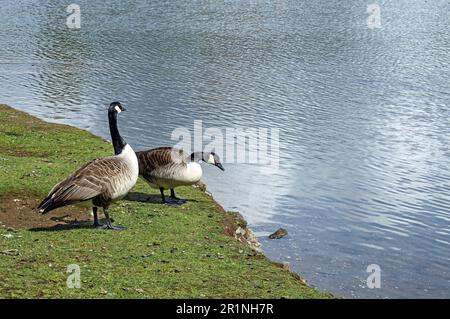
(118, 109)
(211, 159)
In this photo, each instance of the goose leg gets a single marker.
(162, 195)
(175, 199)
(96, 222)
(109, 224)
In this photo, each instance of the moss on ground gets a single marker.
(166, 252)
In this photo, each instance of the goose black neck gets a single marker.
(196, 156)
(117, 140)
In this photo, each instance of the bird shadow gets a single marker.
(143, 198)
(153, 199)
(66, 226)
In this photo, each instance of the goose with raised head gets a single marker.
(100, 182)
(167, 168)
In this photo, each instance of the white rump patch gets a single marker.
(211, 159)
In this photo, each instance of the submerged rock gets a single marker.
(280, 233)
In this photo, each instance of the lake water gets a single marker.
(363, 115)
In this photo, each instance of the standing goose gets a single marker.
(100, 182)
(167, 168)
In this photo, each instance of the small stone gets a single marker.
(280, 233)
(285, 265)
(240, 231)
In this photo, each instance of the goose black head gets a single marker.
(214, 159)
(116, 107)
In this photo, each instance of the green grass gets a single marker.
(166, 252)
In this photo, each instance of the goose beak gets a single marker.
(220, 166)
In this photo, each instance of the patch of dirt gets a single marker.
(21, 153)
(18, 211)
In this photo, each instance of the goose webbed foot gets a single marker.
(115, 227)
(111, 227)
(174, 199)
(109, 224)
(98, 225)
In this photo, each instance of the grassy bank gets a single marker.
(180, 252)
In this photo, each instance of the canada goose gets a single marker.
(100, 182)
(167, 168)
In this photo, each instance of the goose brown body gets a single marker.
(168, 167)
(98, 183)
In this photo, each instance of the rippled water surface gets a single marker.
(363, 115)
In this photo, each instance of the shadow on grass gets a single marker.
(67, 226)
(143, 198)
(153, 199)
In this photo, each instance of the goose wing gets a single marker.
(159, 161)
(84, 184)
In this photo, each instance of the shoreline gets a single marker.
(198, 243)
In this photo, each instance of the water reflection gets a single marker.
(60, 67)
